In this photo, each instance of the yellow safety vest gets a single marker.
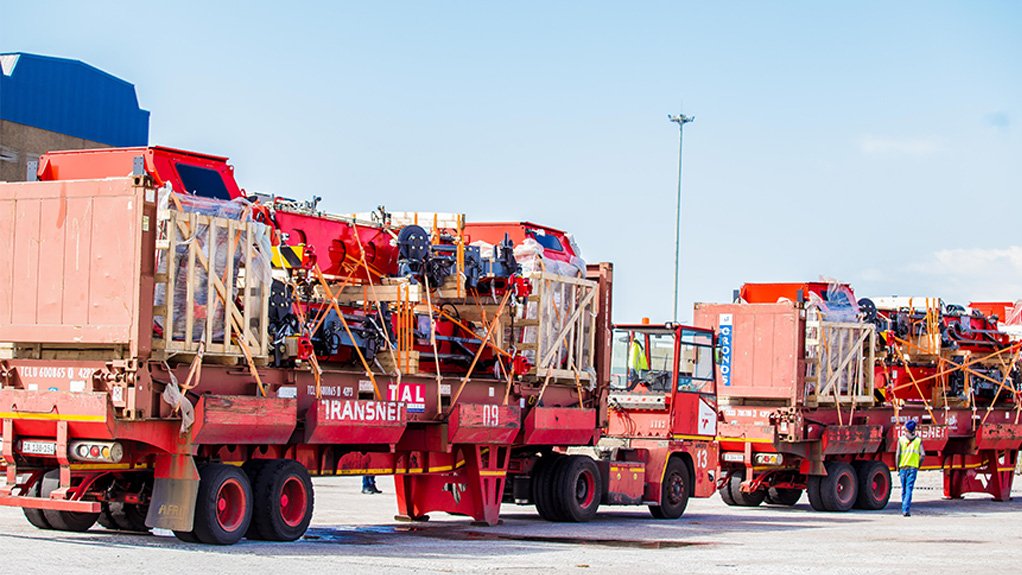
(636, 357)
(909, 452)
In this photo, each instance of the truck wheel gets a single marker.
(874, 485)
(787, 497)
(252, 468)
(813, 488)
(186, 536)
(578, 489)
(35, 516)
(283, 498)
(725, 493)
(127, 516)
(840, 487)
(223, 507)
(105, 520)
(543, 474)
(63, 520)
(741, 498)
(674, 491)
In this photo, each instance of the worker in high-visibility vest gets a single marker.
(637, 364)
(908, 457)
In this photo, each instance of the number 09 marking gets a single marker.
(491, 415)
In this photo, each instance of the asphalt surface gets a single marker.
(355, 533)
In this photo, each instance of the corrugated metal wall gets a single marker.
(71, 97)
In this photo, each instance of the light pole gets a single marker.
(681, 120)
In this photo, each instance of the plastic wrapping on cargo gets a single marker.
(214, 247)
(553, 310)
(832, 345)
(840, 305)
(529, 255)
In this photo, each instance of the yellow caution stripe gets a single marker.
(744, 439)
(51, 416)
(694, 437)
(287, 257)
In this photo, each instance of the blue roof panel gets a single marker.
(71, 97)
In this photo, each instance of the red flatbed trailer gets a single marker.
(109, 414)
(817, 405)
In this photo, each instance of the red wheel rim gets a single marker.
(585, 487)
(293, 501)
(230, 505)
(879, 485)
(844, 486)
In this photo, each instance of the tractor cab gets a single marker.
(662, 382)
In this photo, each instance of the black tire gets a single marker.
(35, 516)
(786, 497)
(874, 485)
(63, 520)
(578, 489)
(107, 521)
(813, 489)
(543, 474)
(839, 489)
(283, 499)
(252, 468)
(186, 536)
(223, 507)
(725, 493)
(741, 498)
(674, 491)
(128, 516)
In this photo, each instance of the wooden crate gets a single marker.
(233, 320)
(839, 363)
(557, 328)
(407, 361)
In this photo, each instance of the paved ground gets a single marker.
(354, 533)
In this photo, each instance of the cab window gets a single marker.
(643, 361)
(203, 181)
(695, 370)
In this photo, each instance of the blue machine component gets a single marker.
(71, 97)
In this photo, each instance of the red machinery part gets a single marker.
(337, 249)
(187, 172)
(556, 244)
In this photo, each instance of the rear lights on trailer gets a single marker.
(758, 459)
(769, 459)
(93, 451)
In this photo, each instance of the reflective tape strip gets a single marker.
(694, 437)
(744, 439)
(50, 417)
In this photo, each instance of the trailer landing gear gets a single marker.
(994, 475)
(474, 487)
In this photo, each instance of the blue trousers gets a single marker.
(908, 481)
(368, 482)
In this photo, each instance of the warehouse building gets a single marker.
(51, 103)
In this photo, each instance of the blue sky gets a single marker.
(873, 142)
